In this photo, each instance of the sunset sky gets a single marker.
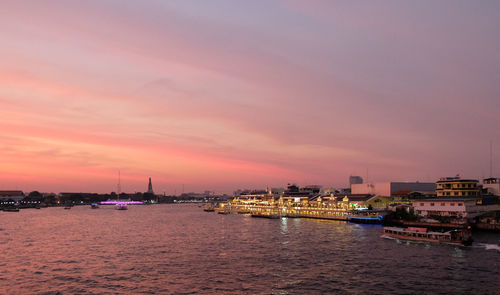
(221, 95)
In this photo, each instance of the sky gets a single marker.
(225, 95)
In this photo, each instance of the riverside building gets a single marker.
(10, 197)
(388, 189)
(492, 186)
(456, 187)
(458, 208)
(458, 199)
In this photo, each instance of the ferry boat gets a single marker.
(121, 206)
(365, 217)
(223, 211)
(209, 208)
(420, 234)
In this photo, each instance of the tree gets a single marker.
(35, 196)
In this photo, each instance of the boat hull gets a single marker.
(458, 238)
(365, 220)
(270, 216)
(11, 209)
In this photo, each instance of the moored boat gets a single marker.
(271, 215)
(223, 209)
(365, 217)
(94, 206)
(11, 209)
(419, 234)
(209, 208)
(121, 206)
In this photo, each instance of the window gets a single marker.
(442, 204)
(432, 204)
(452, 204)
(421, 204)
(460, 204)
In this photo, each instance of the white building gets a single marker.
(454, 207)
(492, 185)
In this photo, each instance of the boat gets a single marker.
(271, 214)
(209, 208)
(94, 206)
(223, 209)
(365, 217)
(121, 206)
(421, 234)
(67, 207)
(11, 209)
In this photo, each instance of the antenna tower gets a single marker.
(119, 186)
(491, 158)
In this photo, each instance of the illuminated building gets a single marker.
(456, 187)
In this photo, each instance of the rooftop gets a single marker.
(449, 199)
(453, 179)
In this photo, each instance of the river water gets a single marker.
(179, 249)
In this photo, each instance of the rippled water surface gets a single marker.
(179, 249)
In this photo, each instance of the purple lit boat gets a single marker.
(121, 206)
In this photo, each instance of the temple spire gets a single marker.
(150, 187)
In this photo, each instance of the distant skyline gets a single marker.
(222, 95)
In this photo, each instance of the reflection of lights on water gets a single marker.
(284, 225)
(459, 253)
(121, 202)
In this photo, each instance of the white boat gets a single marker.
(121, 206)
(419, 234)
